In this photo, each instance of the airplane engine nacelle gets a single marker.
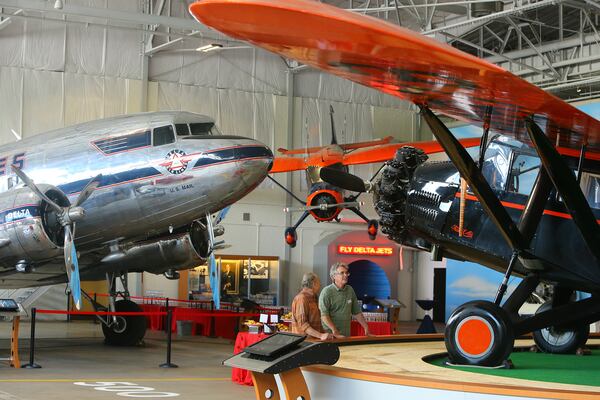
(177, 251)
(323, 195)
(29, 228)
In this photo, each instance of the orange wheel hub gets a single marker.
(474, 336)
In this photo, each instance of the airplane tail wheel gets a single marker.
(479, 333)
(128, 330)
(564, 341)
(372, 229)
(291, 237)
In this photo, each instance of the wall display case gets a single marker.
(242, 277)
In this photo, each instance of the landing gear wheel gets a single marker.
(372, 228)
(479, 333)
(552, 340)
(129, 330)
(290, 237)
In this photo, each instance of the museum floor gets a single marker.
(72, 353)
(76, 364)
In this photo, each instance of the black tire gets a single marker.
(479, 333)
(130, 330)
(551, 340)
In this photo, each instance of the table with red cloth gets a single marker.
(155, 322)
(375, 328)
(203, 321)
(243, 340)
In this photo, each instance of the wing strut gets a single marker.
(468, 169)
(566, 185)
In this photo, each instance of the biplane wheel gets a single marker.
(129, 329)
(479, 333)
(564, 341)
(290, 237)
(372, 228)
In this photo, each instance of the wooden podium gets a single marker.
(280, 357)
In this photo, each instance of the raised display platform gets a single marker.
(393, 367)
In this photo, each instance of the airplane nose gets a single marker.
(255, 161)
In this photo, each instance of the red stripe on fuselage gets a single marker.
(521, 207)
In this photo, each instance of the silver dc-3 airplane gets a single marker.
(125, 194)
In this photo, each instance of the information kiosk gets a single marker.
(283, 354)
(10, 309)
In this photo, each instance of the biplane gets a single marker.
(325, 201)
(521, 210)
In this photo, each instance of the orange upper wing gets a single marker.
(401, 63)
(387, 151)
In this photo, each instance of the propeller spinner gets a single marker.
(67, 216)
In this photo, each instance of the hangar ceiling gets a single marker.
(552, 43)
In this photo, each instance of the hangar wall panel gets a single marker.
(43, 101)
(11, 101)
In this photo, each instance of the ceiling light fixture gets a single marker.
(58, 4)
(209, 47)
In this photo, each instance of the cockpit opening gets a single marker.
(197, 129)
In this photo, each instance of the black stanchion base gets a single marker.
(169, 365)
(31, 366)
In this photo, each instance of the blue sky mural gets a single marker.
(466, 281)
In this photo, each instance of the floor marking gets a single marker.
(113, 379)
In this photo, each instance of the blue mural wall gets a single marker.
(466, 281)
(368, 279)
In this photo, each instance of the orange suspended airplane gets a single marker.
(326, 201)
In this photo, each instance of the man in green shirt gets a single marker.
(338, 303)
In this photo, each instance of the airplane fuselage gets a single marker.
(160, 172)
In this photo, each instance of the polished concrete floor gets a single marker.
(76, 364)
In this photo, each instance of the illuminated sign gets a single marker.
(366, 250)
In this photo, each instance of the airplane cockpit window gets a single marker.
(204, 129)
(524, 172)
(182, 129)
(163, 135)
(591, 188)
(495, 165)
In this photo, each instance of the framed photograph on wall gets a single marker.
(230, 276)
(259, 269)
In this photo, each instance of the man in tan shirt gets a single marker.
(306, 317)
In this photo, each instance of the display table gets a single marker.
(155, 322)
(224, 327)
(243, 340)
(375, 328)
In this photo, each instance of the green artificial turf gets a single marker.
(558, 368)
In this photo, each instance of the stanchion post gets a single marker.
(94, 306)
(168, 323)
(32, 364)
(168, 364)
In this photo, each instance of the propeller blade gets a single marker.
(214, 280)
(221, 215)
(88, 190)
(343, 180)
(29, 183)
(72, 266)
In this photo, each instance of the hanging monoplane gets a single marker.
(325, 201)
(531, 202)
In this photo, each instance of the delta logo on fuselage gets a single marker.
(177, 161)
(17, 214)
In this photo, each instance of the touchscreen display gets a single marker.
(8, 304)
(274, 344)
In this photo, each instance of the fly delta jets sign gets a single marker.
(365, 250)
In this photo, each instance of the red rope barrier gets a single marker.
(200, 314)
